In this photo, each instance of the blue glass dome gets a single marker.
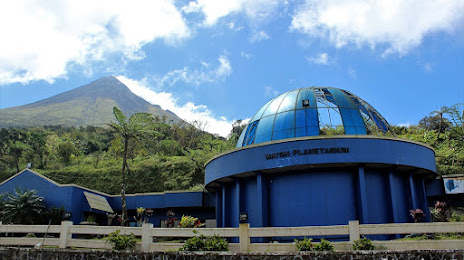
(313, 111)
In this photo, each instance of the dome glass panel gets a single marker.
(313, 111)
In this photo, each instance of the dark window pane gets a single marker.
(284, 122)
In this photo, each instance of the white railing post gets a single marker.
(147, 240)
(65, 235)
(244, 236)
(354, 230)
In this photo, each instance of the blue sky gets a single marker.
(218, 61)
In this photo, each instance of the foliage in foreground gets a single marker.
(189, 222)
(22, 207)
(26, 207)
(324, 245)
(304, 245)
(307, 245)
(121, 242)
(205, 243)
(363, 244)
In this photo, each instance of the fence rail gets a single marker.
(69, 235)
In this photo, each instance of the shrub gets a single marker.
(205, 243)
(121, 242)
(324, 245)
(189, 222)
(440, 211)
(363, 244)
(455, 217)
(304, 245)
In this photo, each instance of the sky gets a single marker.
(216, 61)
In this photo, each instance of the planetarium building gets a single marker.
(319, 156)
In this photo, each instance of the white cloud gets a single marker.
(400, 25)
(404, 124)
(428, 67)
(234, 27)
(270, 91)
(259, 36)
(189, 111)
(213, 10)
(321, 59)
(352, 73)
(246, 55)
(44, 37)
(198, 76)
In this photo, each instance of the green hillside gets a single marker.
(172, 158)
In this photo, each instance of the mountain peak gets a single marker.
(91, 104)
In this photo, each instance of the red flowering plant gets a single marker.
(416, 214)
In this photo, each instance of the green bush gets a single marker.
(304, 245)
(363, 244)
(205, 243)
(455, 217)
(324, 245)
(121, 242)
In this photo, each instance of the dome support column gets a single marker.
(412, 187)
(219, 208)
(261, 199)
(236, 203)
(224, 203)
(425, 204)
(362, 197)
(393, 195)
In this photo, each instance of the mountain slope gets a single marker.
(91, 104)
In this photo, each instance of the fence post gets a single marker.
(244, 236)
(65, 235)
(354, 230)
(147, 240)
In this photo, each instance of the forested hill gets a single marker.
(172, 158)
(91, 104)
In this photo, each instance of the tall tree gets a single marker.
(133, 128)
(456, 113)
(439, 113)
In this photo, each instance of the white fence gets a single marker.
(69, 235)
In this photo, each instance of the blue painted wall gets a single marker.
(319, 198)
(378, 197)
(72, 198)
(69, 197)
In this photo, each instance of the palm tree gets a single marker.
(132, 128)
(439, 113)
(23, 207)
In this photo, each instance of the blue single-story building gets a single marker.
(82, 202)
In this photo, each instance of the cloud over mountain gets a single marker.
(189, 111)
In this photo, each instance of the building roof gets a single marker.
(313, 111)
